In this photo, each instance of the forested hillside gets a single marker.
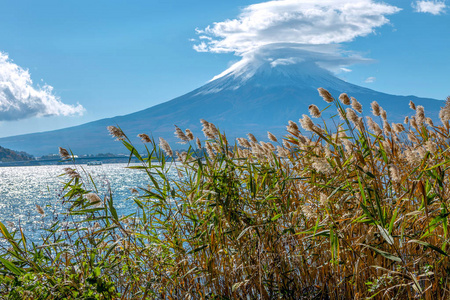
(7, 155)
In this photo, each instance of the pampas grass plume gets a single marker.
(325, 95)
(165, 147)
(271, 137)
(344, 99)
(314, 111)
(144, 138)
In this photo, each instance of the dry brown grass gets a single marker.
(348, 211)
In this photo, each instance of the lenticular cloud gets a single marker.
(294, 21)
(20, 100)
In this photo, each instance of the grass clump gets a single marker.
(346, 210)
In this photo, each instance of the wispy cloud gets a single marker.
(294, 21)
(370, 79)
(431, 7)
(19, 99)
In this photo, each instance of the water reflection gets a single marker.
(22, 188)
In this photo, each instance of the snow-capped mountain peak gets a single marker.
(277, 68)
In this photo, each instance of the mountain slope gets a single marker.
(254, 96)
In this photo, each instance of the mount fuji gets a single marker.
(254, 95)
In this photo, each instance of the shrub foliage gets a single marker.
(354, 208)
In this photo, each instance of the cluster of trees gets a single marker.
(7, 155)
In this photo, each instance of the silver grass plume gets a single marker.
(189, 134)
(302, 139)
(199, 144)
(40, 210)
(293, 125)
(356, 105)
(180, 135)
(243, 153)
(398, 127)
(431, 146)
(206, 129)
(413, 123)
(413, 138)
(165, 147)
(444, 113)
(213, 129)
(144, 138)
(348, 145)
(209, 150)
(271, 137)
(321, 165)
(412, 105)
(282, 152)
(344, 99)
(252, 138)
(375, 109)
(325, 95)
(306, 123)
(374, 126)
(383, 114)
(420, 114)
(351, 115)
(292, 128)
(116, 132)
(286, 144)
(393, 170)
(360, 124)
(386, 145)
(314, 111)
(269, 146)
(64, 153)
(412, 156)
(182, 157)
(244, 143)
(257, 149)
(71, 173)
(387, 128)
(406, 121)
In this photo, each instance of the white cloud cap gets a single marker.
(20, 100)
(431, 7)
(329, 57)
(294, 21)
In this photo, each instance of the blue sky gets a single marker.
(105, 58)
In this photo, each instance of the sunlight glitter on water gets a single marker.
(21, 188)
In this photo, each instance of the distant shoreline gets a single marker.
(79, 160)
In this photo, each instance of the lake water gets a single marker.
(21, 188)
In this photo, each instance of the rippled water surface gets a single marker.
(21, 188)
